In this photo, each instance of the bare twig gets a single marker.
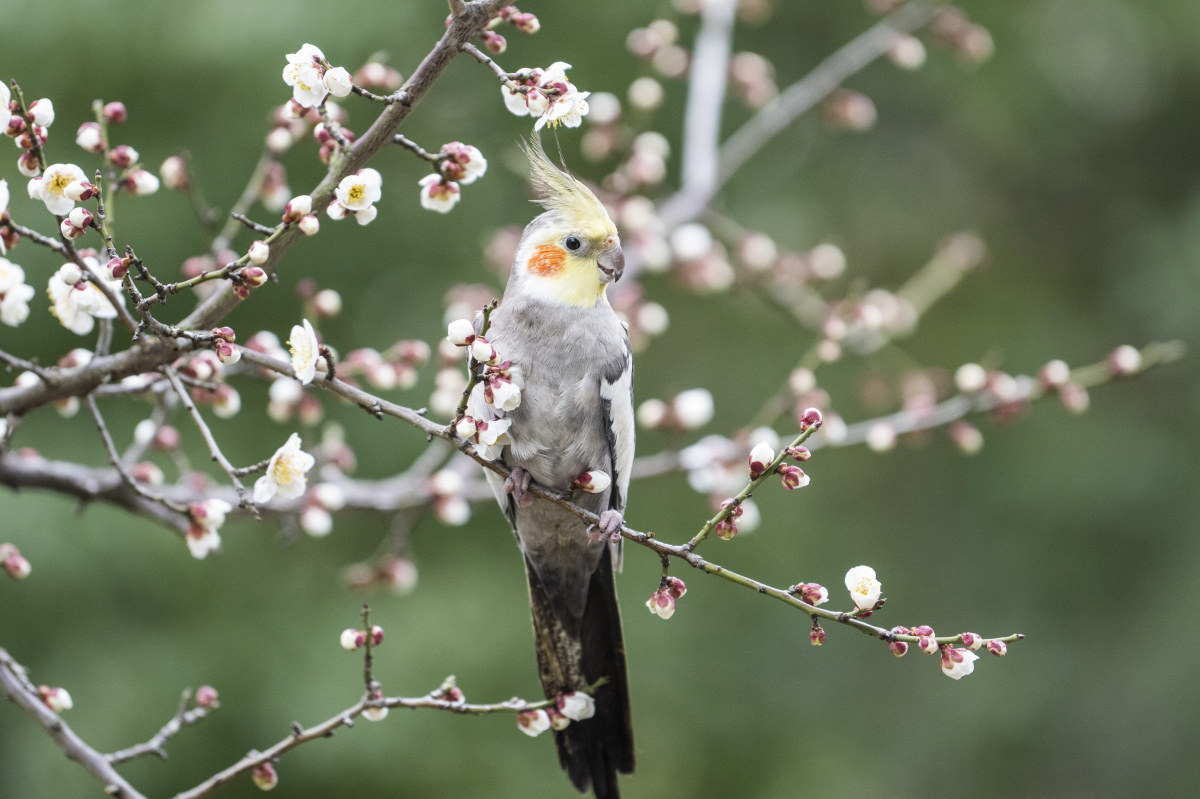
(250, 223)
(115, 459)
(182, 718)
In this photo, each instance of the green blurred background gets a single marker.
(1073, 152)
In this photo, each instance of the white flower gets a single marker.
(438, 194)
(460, 332)
(533, 722)
(760, 458)
(958, 663)
(863, 587)
(537, 101)
(359, 191)
(305, 351)
(568, 109)
(492, 437)
(207, 517)
(42, 112)
(14, 293)
(201, 541)
(78, 303)
(286, 474)
(51, 187)
(57, 699)
(309, 225)
(367, 215)
(503, 395)
(338, 82)
(316, 521)
(577, 706)
(970, 377)
(304, 74)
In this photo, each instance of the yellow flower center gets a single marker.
(284, 472)
(357, 192)
(863, 586)
(59, 182)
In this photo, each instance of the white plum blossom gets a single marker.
(533, 722)
(42, 112)
(305, 74)
(51, 187)
(958, 663)
(863, 587)
(338, 82)
(492, 437)
(76, 301)
(439, 194)
(202, 534)
(15, 294)
(361, 190)
(306, 351)
(576, 706)
(287, 473)
(569, 109)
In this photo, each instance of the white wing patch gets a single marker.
(619, 394)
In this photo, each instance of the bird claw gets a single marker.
(517, 484)
(609, 527)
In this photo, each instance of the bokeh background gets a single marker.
(1072, 152)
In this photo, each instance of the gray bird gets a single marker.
(570, 356)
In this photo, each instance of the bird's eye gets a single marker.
(573, 243)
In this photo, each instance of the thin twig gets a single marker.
(182, 718)
(250, 223)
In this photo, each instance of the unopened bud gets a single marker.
(123, 156)
(997, 648)
(88, 137)
(970, 378)
(80, 217)
(27, 165)
(206, 696)
(676, 587)
(80, 190)
(593, 482)
(42, 112)
(376, 635)
(114, 113)
(1054, 374)
(494, 42)
(793, 476)
(1124, 360)
(811, 418)
(898, 648)
(353, 639)
(971, 641)
(13, 562)
(760, 458)
(297, 208)
(259, 252)
(1074, 397)
(57, 699)
(265, 776)
(69, 230)
(174, 173)
(816, 636)
(812, 593)
(460, 332)
(118, 267)
(309, 225)
(253, 276)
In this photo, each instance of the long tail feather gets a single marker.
(573, 653)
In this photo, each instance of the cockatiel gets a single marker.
(572, 356)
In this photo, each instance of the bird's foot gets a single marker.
(517, 484)
(609, 527)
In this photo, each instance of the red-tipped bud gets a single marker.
(676, 587)
(173, 172)
(593, 482)
(727, 527)
(297, 208)
(227, 352)
(123, 156)
(225, 333)
(114, 113)
(558, 721)
(11, 559)
(661, 603)
(27, 165)
(57, 699)
(166, 438)
(147, 472)
(971, 640)
(1124, 360)
(10, 237)
(525, 22)
(265, 776)
(997, 648)
(1054, 374)
(760, 458)
(89, 137)
(80, 190)
(483, 351)
(494, 42)
(69, 230)
(927, 644)
(352, 639)
(309, 225)
(376, 635)
(206, 696)
(118, 267)
(812, 593)
(793, 476)
(800, 453)
(898, 648)
(811, 418)
(1074, 397)
(253, 276)
(816, 636)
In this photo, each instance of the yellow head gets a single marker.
(569, 254)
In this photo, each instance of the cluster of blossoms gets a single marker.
(312, 78)
(205, 520)
(208, 367)
(13, 562)
(499, 388)
(458, 165)
(76, 299)
(353, 639)
(41, 115)
(662, 601)
(568, 707)
(546, 95)
(396, 367)
(762, 456)
(521, 20)
(299, 211)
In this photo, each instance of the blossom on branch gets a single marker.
(15, 294)
(863, 587)
(305, 73)
(306, 351)
(359, 193)
(957, 663)
(438, 193)
(76, 301)
(57, 699)
(533, 722)
(576, 705)
(287, 473)
(202, 535)
(51, 187)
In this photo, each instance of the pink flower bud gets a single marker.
(123, 156)
(57, 699)
(460, 332)
(42, 112)
(1124, 360)
(309, 225)
(80, 190)
(253, 276)
(139, 182)
(14, 563)
(898, 648)
(812, 593)
(971, 640)
(483, 351)
(89, 138)
(525, 23)
(816, 635)
(225, 333)
(558, 721)
(297, 208)
(593, 482)
(80, 217)
(206, 696)
(352, 639)
(1074, 397)
(676, 587)
(997, 648)
(927, 644)
(114, 113)
(466, 427)
(924, 629)
(376, 635)
(494, 42)
(174, 174)
(811, 418)
(148, 473)
(800, 453)
(259, 252)
(69, 230)
(166, 438)
(265, 776)
(793, 476)
(1054, 374)
(10, 237)
(27, 165)
(227, 352)
(760, 458)
(533, 722)
(661, 603)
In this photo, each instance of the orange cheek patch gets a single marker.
(547, 260)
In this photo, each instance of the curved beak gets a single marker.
(611, 264)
